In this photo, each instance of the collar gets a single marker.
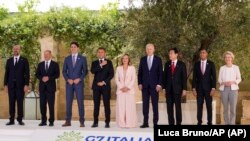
(74, 55)
(152, 56)
(175, 61)
(204, 61)
(48, 61)
(18, 57)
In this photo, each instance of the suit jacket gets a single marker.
(80, 70)
(177, 80)
(153, 77)
(206, 81)
(53, 73)
(105, 73)
(18, 74)
(125, 79)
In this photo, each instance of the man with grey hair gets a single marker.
(150, 82)
(16, 83)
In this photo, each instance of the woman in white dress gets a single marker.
(126, 104)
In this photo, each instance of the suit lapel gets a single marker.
(77, 60)
(207, 65)
(177, 66)
(18, 62)
(146, 61)
(71, 61)
(199, 68)
(50, 65)
(122, 75)
(153, 62)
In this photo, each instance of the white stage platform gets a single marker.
(32, 132)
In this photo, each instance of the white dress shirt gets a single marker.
(151, 57)
(175, 62)
(205, 65)
(48, 63)
(74, 55)
(18, 57)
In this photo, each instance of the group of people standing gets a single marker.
(152, 78)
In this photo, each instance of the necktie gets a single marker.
(100, 61)
(149, 63)
(46, 66)
(202, 68)
(172, 67)
(74, 61)
(15, 62)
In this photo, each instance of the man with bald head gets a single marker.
(47, 72)
(16, 83)
(150, 81)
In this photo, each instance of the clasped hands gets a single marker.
(228, 83)
(75, 81)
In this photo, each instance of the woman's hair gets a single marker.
(228, 53)
(129, 60)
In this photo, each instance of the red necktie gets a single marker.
(172, 68)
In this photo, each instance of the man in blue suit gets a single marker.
(150, 81)
(74, 71)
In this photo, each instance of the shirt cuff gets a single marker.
(158, 85)
(104, 82)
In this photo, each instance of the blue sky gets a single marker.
(45, 5)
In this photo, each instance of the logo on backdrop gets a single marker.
(76, 136)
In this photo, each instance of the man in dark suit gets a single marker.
(47, 72)
(175, 84)
(104, 72)
(75, 69)
(150, 82)
(204, 84)
(16, 83)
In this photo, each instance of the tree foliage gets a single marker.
(190, 25)
(92, 29)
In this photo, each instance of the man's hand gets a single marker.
(103, 63)
(212, 93)
(158, 88)
(140, 86)
(70, 81)
(26, 88)
(76, 81)
(184, 93)
(45, 79)
(101, 83)
(6, 89)
(194, 92)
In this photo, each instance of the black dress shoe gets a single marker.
(82, 125)
(10, 123)
(107, 126)
(94, 125)
(21, 123)
(144, 126)
(51, 124)
(42, 124)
